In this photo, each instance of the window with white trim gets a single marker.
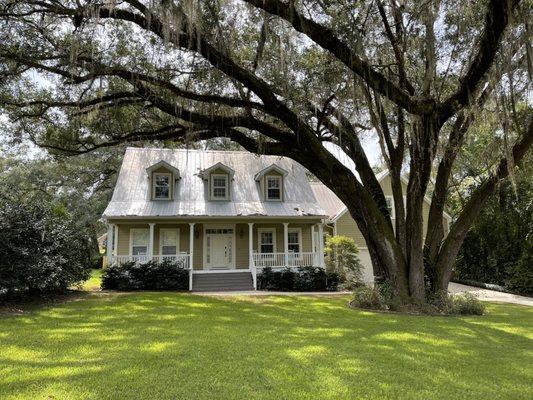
(219, 187)
(294, 240)
(273, 187)
(169, 242)
(267, 240)
(161, 185)
(390, 205)
(139, 239)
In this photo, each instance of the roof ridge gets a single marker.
(200, 151)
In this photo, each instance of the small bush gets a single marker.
(441, 302)
(341, 257)
(467, 304)
(305, 279)
(151, 275)
(369, 297)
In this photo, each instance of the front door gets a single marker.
(219, 248)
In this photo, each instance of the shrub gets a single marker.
(41, 248)
(305, 279)
(467, 304)
(369, 297)
(341, 257)
(151, 275)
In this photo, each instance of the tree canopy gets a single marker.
(284, 77)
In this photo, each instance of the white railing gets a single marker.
(303, 259)
(277, 260)
(182, 259)
(273, 260)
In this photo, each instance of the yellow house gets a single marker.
(340, 222)
(224, 215)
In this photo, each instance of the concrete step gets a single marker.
(234, 281)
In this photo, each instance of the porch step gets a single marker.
(232, 281)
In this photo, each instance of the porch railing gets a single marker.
(277, 260)
(180, 259)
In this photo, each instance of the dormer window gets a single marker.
(161, 186)
(219, 186)
(271, 181)
(163, 180)
(218, 177)
(273, 187)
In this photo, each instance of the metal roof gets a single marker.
(131, 197)
(328, 200)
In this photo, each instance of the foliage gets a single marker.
(152, 275)
(497, 249)
(304, 279)
(341, 257)
(41, 247)
(369, 297)
(379, 297)
(467, 304)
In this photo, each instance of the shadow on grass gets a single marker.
(180, 346)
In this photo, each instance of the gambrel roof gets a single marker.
(131, 197)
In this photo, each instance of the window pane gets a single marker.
(139, 250)
(162, 180)
(219, 182)
(273, 188)
(294, 242)
(267, 248)
(140, 237)
(169, 238)
(294, 248)
(162, 192)
(273, 194)
(273, 183)
(219, 192)
(169, 250)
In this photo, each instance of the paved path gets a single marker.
(491, 295)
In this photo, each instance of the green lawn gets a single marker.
(93, 283)
(181, 346)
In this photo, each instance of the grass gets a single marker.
(93, 283)
(181, 346)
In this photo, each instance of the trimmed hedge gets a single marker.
(152, 275)
(305, 279)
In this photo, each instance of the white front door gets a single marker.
(219, 248)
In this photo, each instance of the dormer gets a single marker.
(162, 177)
(218, 177)
(271, 181)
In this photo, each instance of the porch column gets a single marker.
(191, 252)
(313, 250)
(321, 245)
(109, 246)
(151, 242)
(286, 242)
(251, 253)
(115, 241)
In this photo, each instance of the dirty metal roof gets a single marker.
(328, 200)
(131, 197)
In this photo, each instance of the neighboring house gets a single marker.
(228, 214)
(340, 222)
(225, 213)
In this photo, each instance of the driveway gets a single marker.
(491, 295)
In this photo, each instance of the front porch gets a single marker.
(209, 247)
